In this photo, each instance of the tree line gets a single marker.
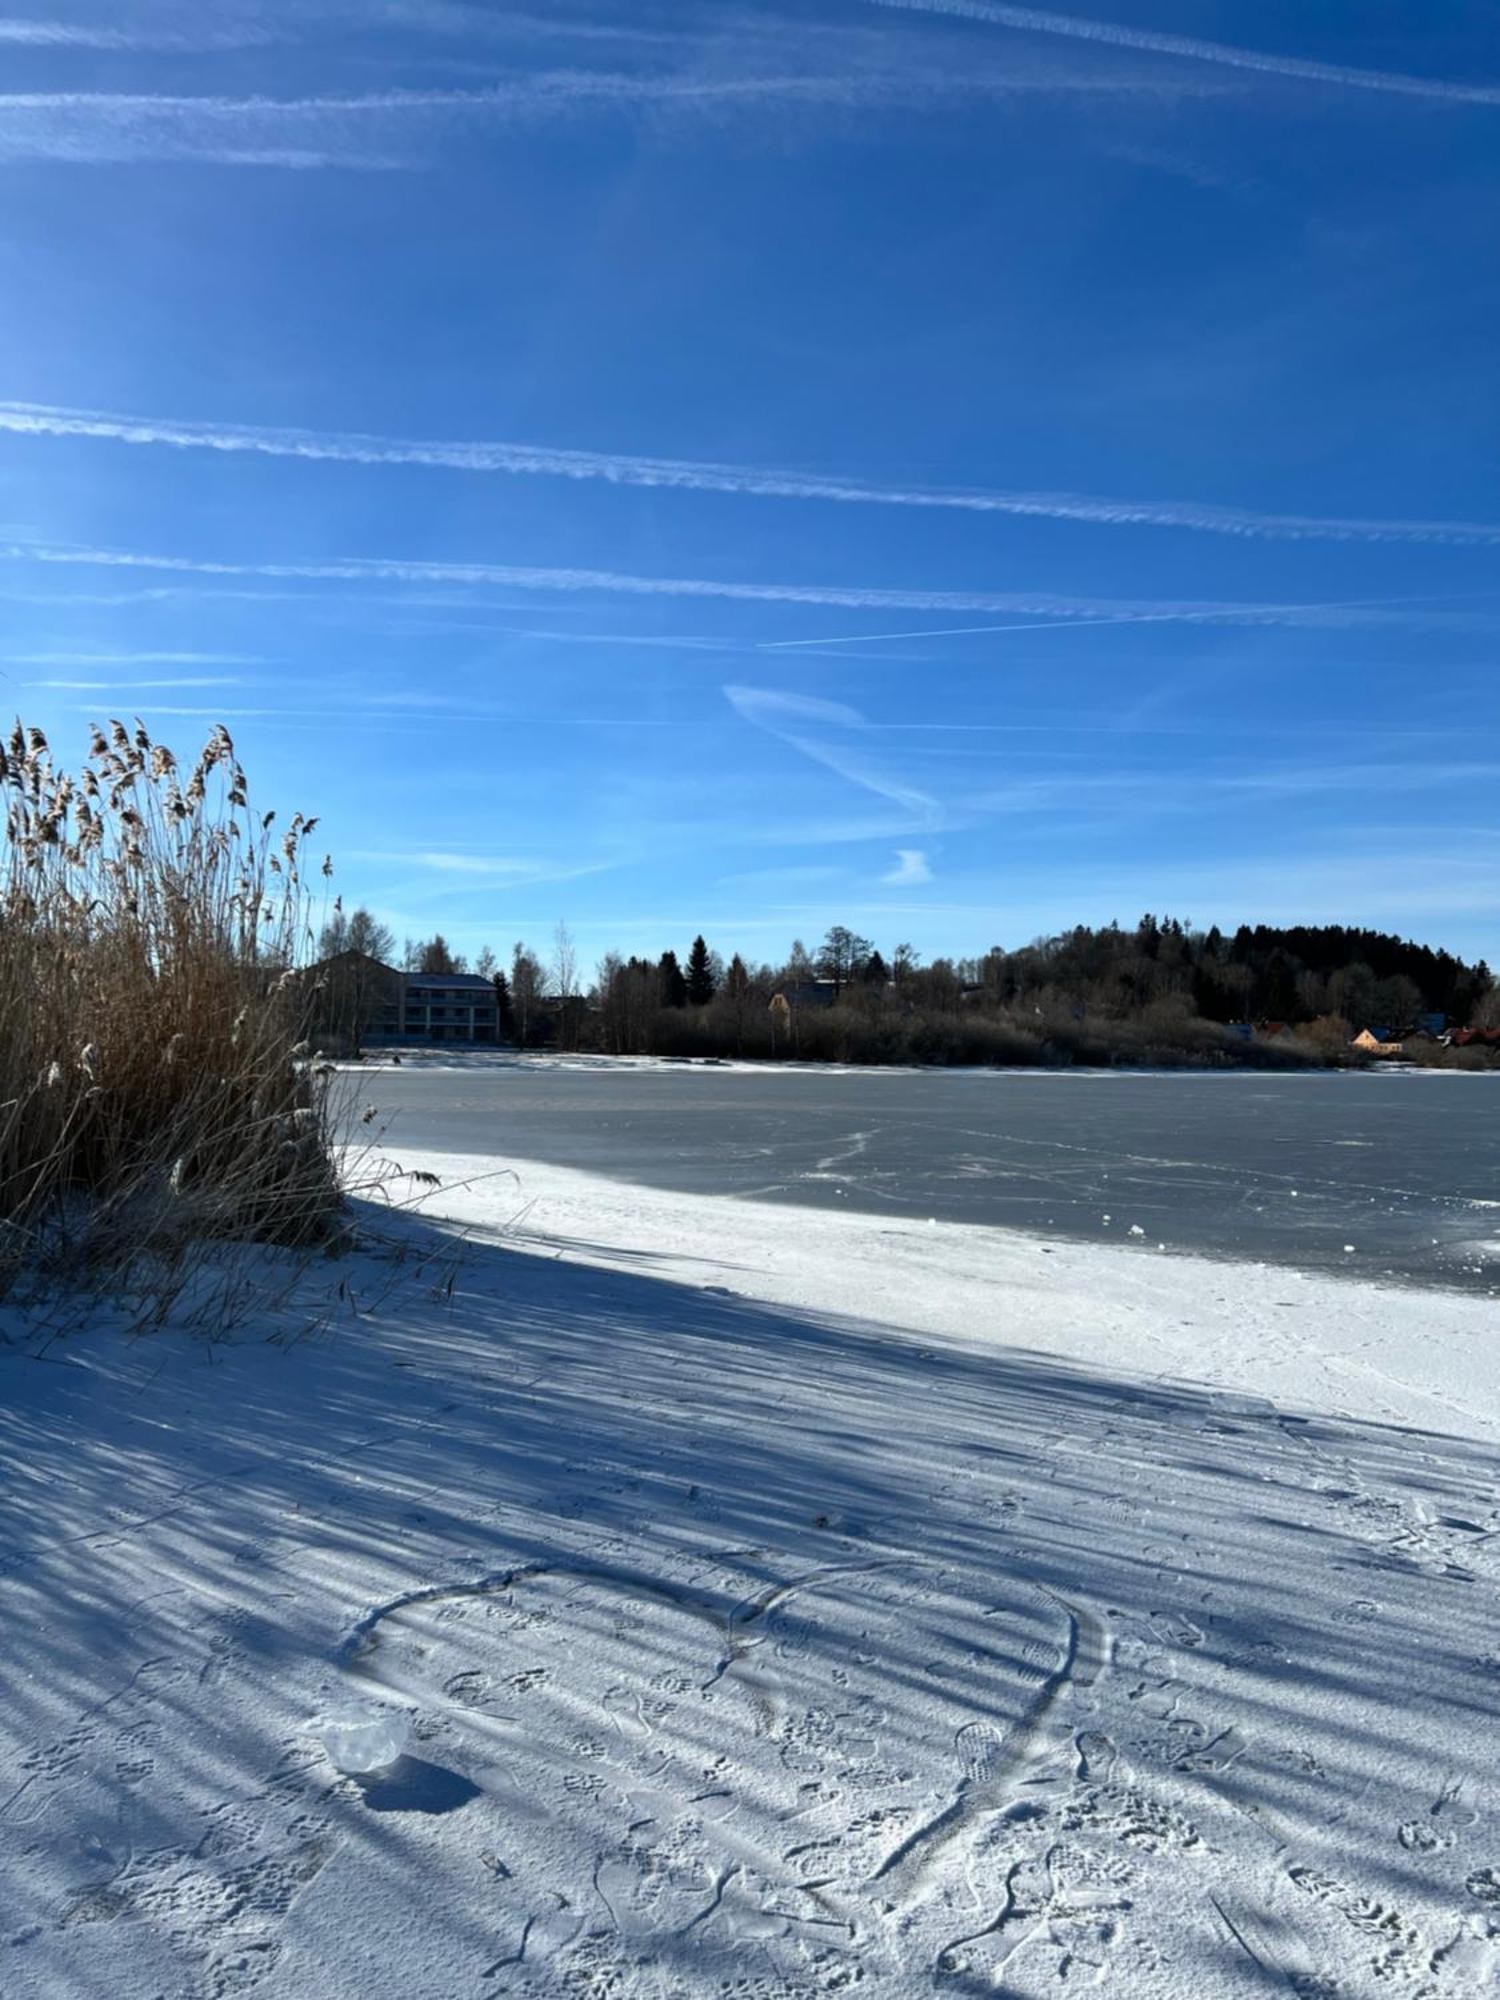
(1161, 990)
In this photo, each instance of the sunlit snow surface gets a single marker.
(790, 1604)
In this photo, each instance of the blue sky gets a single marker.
(954, 469)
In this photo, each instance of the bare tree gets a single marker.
(528, 986)
(367, 934)
(564, 962)
(334, 936)
(354, 983)
(360, 932)
(436, 958)
(843, 956)
(609, 996)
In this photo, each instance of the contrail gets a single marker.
(59, 35)
(393, 128)
(1039, 604)
(942, 632)
(707, 476)
(1036, 21)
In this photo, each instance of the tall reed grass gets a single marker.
(154, 1089)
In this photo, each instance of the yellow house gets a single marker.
(1371, 1041)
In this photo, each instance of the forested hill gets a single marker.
(1262, 972)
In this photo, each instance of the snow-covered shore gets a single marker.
(788, 1604)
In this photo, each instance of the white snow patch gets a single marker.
(786, 1603)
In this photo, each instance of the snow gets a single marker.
(363, 1736)
(785, 1603)
(459, 1059)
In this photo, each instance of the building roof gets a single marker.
(809, 992)
(470, 981)
(360, 957)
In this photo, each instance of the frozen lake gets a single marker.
(1288, 1169)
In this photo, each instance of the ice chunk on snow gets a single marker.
(363, 1735)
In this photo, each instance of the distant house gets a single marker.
(1273, 1031)
(360, 1001)
(805, 993)
(1378, 1042)
(1477, 1038)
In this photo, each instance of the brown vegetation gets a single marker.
(152, 1086)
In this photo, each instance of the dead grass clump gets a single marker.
(153, 1088)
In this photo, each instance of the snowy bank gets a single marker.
(784, 1604)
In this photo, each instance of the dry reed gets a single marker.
(154, 1091)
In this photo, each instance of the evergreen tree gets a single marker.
(505, 1023)
(737, 1000)
(874, 971)
(700, 975)
(674, 990)
(1279, 988)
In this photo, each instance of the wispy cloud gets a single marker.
(774, 708)
(709, 476)
(133, 660)
(182, 30)
(66, 35)
(1193, 48)
(1033, 604)
(488, 868)
(134, 686)
(685, 642)
(177, 30)
(1143, 793)
(827, 732)
(911, 867)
